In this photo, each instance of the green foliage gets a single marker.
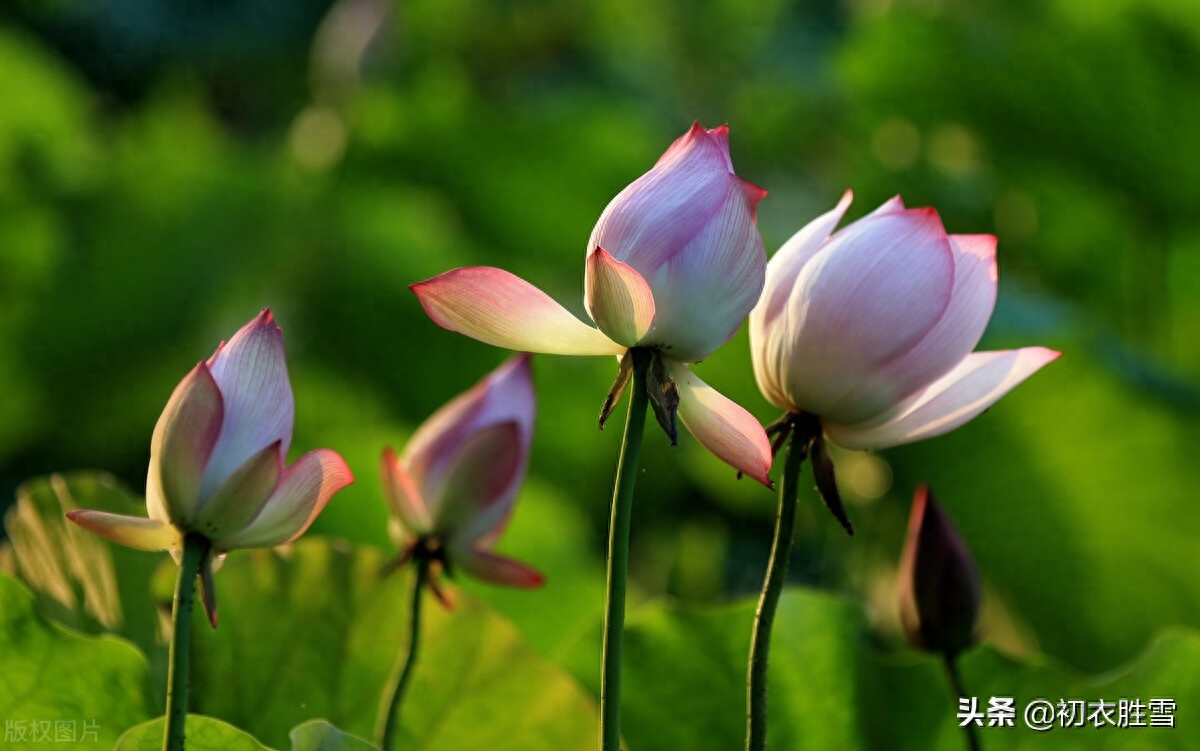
(319, 735)
(315, 632)
(90, 688)
(312, 630)
(202, 733)
(158, 186)
(831, 688)
(78, 578)
(210, 734)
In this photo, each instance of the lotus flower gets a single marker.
(217, 460)
(453, 488)
(871, 328)
(940, 590)
(674, 264)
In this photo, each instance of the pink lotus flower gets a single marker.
(871, 328)
(674, 264)
(217, 460)
(454, 487)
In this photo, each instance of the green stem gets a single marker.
(618, 556)
(402, 674)
(179, 663)
(768, 602)
(956, 685)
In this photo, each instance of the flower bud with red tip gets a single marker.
(940, 588)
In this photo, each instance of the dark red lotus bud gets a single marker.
(940, 589)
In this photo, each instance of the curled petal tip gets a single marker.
(754, 194)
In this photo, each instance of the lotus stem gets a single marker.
(956, 685)
(397, 685)
(768, 601)
(195, 547)
(618, 556)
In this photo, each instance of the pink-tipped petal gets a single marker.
(241, 497)
(130, 531)
(617, 298)
(754, 196)
(303, 490)
(876, 289)
(977, 383)
(497, 569)
(954, 336)
(890, 206)
(503, 310)
(504, 395)
(656, 216)
(182, 445)
(785, 265)
(403, 496)
(770, 337)
(259, 410)
(721, 426)
(481, 483)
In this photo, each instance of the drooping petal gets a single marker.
(259, 409)
(130, 531)
(182, 445)
(403, 496)
(721, 426)
(498, 569)
(617, 298)
(977, 383)
(303, 490)
(241, 497)
(954, 336)
(481, 482)
(503, 310)
(877, 288)
(767, 335)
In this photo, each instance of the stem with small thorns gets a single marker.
(179, 658)
(618, 556)
(768, 603)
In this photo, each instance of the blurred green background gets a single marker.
(167, 169)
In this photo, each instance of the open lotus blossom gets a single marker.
(871, 328)
(453, 488)
(940, 589)
(217, 460)
(674, 264)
